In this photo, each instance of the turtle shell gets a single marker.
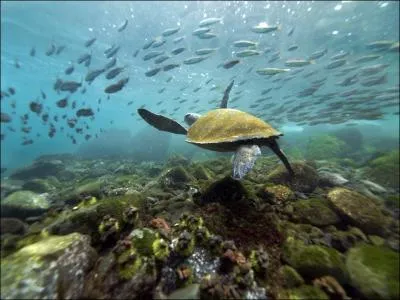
(228, 125)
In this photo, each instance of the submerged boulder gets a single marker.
(305, 179)
(374, 271)
(23, 204)
(316, 212)
(53, 268)
(39, 169)
(359, 210)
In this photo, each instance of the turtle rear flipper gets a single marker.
(161, 123)
(224, 101)
(275, 148)
(244, 160)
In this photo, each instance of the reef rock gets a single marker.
(39, 169)
(315, 212)
(374, 271)
(305, 179)
(13, 226)
(53, 268)
(23, 204)
(359, 210)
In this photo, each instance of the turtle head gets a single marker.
(190, 118)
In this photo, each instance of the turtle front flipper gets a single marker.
(244, 160)
(161, 123)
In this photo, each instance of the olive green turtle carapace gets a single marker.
(225, 130)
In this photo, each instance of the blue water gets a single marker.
(334, 25)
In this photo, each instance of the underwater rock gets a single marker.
(39, 169)
(352, 137)
(385, 170)
(226, 190)
(9, 186)
(331, 179)
(177, 160)
(359, 210)
(276, 194)
(38, 185)
(344, 240)
(13, 226)
(315, 212)
(259, 261)
(374, 271)
(75, 194)
(201, 173)
(191, 291)
(314, 261)
(324, 147)
(53, 268)
(291, 278)
(305, 179)
(303, 292)
(331, 287)
(86, 220)
(175, 177)
(23, 204)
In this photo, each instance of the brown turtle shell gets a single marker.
(228, 125)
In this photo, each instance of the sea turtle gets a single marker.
(225, 130)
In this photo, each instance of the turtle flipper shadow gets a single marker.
(161, 123)
(244, 160)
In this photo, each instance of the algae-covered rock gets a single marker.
(12, 226)
(276, 193)
(305, 179)
(314, 211)
(87, 219)
(23, 204)
(38, 185)
(191, 291)
(324, 147)
(314, 261)
(225, 190)
(290, 277)
(359, 210)
(374, 271)
(175, 177)
(385, 170)
(306, 292)
(74, 194)
(53, 268)
(39, 169)
(201, 173)
(344, 240)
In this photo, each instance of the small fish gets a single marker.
(367, 58)
(161, 59)
(113, 52)
(92, 75)
(340, 55)
(90, 42)
(27, 142)
(168, 79)
(373, 69)
(70, 86)
(123, 26)
(130, 103)
(88, 61)
(111, 63)
(290, 32)
(114, 72)
(160, 91)
(84, 112)
(380, 45)
(43, 95)
(348, 81)
(229, 64)
(35, 107)
(244, 43)
(69, 70)
(62, 103)
(73, 106)
(109, 49)
(51, 50)
(32, 52)
(246, 53)
(375, 80)
(196, 89)
(317, 54)
(83, 90)
(209, 21)
(178, 50)
(298, 62)
(264, 28)
(170, 31)
(113, 88)
(17, 65)
(271, 71)
(178, 39)
(264, 92)
(152, 54)
(293, 47)
(158, 43)
(60, 49)
(148, 44)
(200, 31)
(209, 80)
(136, 53)
(194, 60)
(83, 58)
(205, 51)
(152, 72)
(336, 64)
(207, 35)
(11, 90)
(5, 118)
